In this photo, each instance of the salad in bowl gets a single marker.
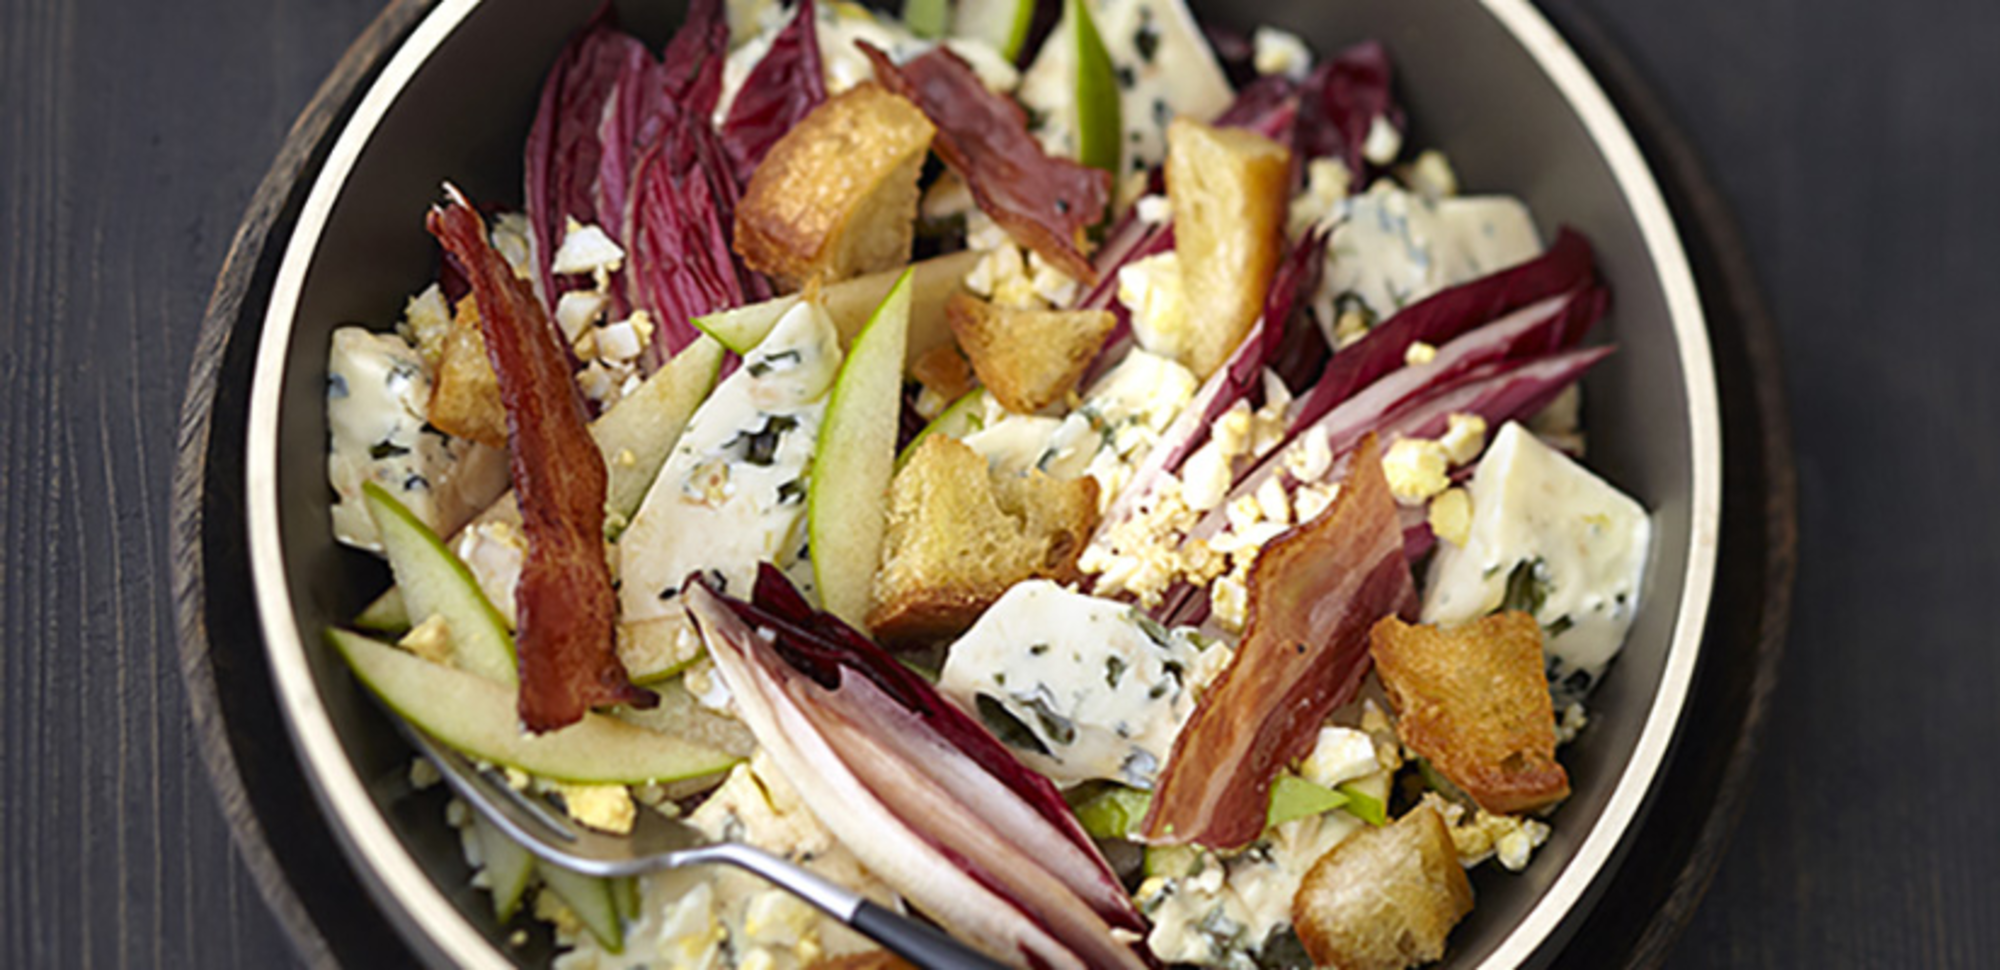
(1092, 481)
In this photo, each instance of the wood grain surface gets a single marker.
(1854, 140)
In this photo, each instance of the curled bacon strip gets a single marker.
(1043, 201)
(1314, 593)
(565, 603)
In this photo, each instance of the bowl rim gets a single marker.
(427, 918)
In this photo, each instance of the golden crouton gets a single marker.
(871, 960)
(943, 371)
(1229, 189)
(959, 536)
(1474, 701)
(465, 397)
(1384, 898)
(837, 195)
(1028, 358)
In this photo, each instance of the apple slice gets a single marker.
(960, 418)
(847, 501)
(476, 716)
(851, 302)
(1100, 131)
(638, 432)
(591, 899)
(435, 582)
(1001, 23)
(508, 866)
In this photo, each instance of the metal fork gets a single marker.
(658, 842)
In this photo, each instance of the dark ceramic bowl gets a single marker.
(1489, 82)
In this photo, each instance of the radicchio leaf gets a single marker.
(781, 90)
(566, 607)
(1314, 593)
(926, 798)
(1443, 316)
(1342, 100)
(563, 150)
(1043, 201)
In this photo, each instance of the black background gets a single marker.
(1858, 143)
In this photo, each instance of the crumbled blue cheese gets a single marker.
(1550, 537)
(426, 322)
(1221, 912)
(733, 492)
(1275, 51)
(1082, 688)
(1163, 66)
(840, 27)
(1122, 416)
(1392, 247)
(1155, 292)
(512, 237)
(586, 250)
(377, 391)
(1478, 835)
(493, 549)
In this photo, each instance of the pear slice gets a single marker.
(475, 715)
(591, 899)
(847, 502)
(435, 582)
(851, 304)
(508, 867)
(1001, 23)
(960, 418)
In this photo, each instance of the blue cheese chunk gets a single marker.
(733, 492)
(1163, 65)
(1217, 912)
(377, 390)
(1081, 687)
(1392, 247)
(1549, 537)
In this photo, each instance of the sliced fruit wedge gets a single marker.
(591, 899)
(962, 417)
(638, 432)
(475, 715)
(852, 302)
(435, 583)
(508, 866)
(1100, 131)
(1003, 24)
(847, 501)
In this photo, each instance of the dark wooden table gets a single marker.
(1857, 141)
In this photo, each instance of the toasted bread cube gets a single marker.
(837, 195)
(959, 536)
(1229, 192)
(943, 371)
(465, 397)
(1384, 898)
(1028, 358)
(1474, 701)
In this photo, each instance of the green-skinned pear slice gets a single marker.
(851, 304)
(476, 716)
(508, 867)
(433, 582)
(847, 502)
(1002, 23)
(1100, 130)
(591, 899)
(638, 432)
(962, 417)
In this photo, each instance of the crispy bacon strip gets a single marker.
(1314, 594)
(564, 601)
(1044, 202)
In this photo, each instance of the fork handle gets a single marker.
(917, 942)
